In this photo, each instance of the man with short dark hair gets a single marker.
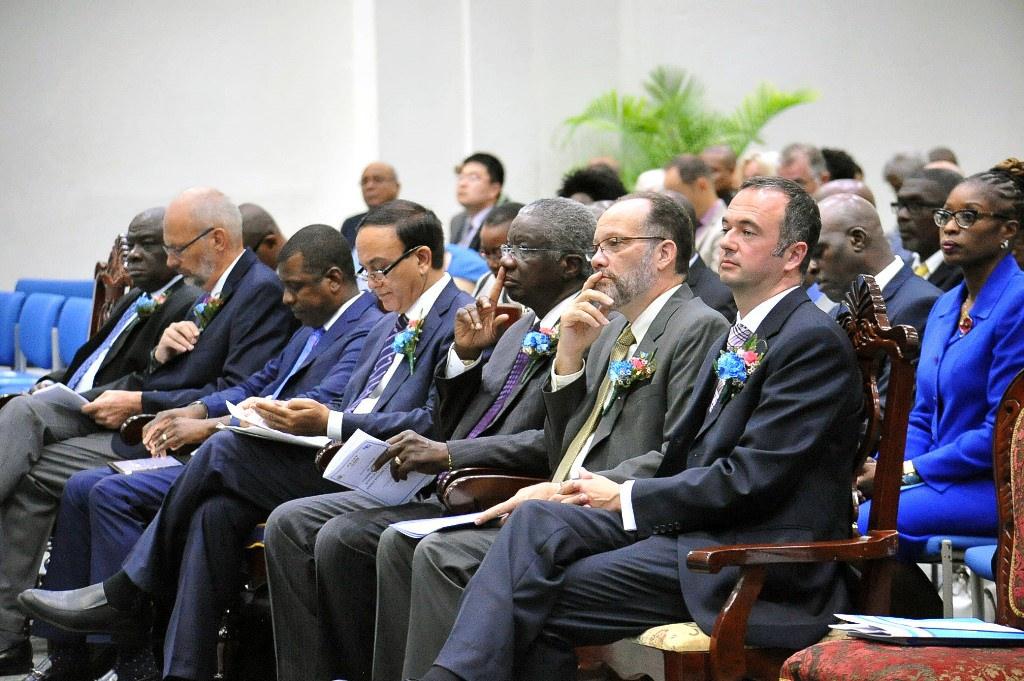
(233, 329)
(722, 161)
(478, 188)
(260, 233)
(102, 514)
(805, 165)
(609, 561)
(494, 235)
(490, 414)
(642, 247)
(379, 184)
(692, 178)
(590, 184)
(918, 197)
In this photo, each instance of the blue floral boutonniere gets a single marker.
(147, 304)
(735, 365)
(204, 312)
(538, 345)
(405, 342)
(624, 373)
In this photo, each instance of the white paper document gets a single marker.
(266, 433)
(352, 467)
(963, 631)
(59, 393)
(417, 529)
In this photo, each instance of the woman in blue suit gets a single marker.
(973, 346)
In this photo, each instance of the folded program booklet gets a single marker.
(137, 465)
(352, 467)
(957, 631)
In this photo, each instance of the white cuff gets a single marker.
(456, 365)
(559, 381)
(626, 501)
(334, 425)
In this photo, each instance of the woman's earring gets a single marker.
(1005, 244)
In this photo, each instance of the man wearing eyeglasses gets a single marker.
(202, 239)
(478, 185)
(918, 197)
(641, 252)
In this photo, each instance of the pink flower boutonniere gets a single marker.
(204, 312)
(147, 304)
(735, 365)
(623, 374)
(405, 342)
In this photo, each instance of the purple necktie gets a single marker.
(384, 359)
(514, 376)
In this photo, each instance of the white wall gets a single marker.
(109, 107)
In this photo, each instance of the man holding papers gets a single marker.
(490, 411)
(102, 515)
(596, 418)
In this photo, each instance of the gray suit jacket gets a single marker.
(629, 437)
(515, 439)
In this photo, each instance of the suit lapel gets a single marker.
(524, 381)
(339, 328)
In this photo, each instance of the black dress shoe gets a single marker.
(84, 611)
(17, 659)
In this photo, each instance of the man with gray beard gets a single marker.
(642, 249)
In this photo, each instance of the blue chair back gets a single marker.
(73, 327)
(69, 288)
(35, 328)
(10, 309)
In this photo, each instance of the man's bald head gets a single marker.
(845, 187)
(260, 233)
(379, 184)
(201, 208)
(851, 243)
(149, 219)
(202, 235)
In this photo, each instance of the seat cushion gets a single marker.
(682, 637)
(859, 660)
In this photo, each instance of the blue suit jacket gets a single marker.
(248, 330)
(324, 374)
(771, 463)
(960, 380)
(408, 399)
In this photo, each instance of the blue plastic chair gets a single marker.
(978, 560)
(73, 327)
(946, 550)
(69, 288)
(35, 330)
(10, 309)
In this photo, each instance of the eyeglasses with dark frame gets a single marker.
(177, 251)
(615, 244)
(378, 276)
(965, 217)
(915, 209)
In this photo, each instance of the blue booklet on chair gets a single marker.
(957, 631)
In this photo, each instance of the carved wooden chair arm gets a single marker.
(325, 454)
(468, 490)
(874, 545)
(131, 429)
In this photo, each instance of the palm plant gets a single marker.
(673, 119)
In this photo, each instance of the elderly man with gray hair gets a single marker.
(805, 165)
(491, 411)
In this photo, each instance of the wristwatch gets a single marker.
(910, 475)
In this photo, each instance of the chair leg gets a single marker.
(947, 578)
(977, 595)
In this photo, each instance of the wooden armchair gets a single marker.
(690, 654)
(859, 660)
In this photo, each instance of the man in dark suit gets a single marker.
(852, 243)
(188, 556)
(122, 345)
(241, 328)
(643, 246)
(102, 515)
(379, 184)
(478, 184)
(610, 561)
(491, 412)
(260, 233)
(918, 196)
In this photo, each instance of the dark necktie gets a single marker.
(738, 335)
(383, 363)
(311, 343)
(511, 381)
(619, 352)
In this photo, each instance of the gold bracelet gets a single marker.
(450, 466)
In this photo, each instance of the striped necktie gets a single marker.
(383, 363)
(619, 352)
(311, 343)
(127, 318)
(511, 381)
(738, 335)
